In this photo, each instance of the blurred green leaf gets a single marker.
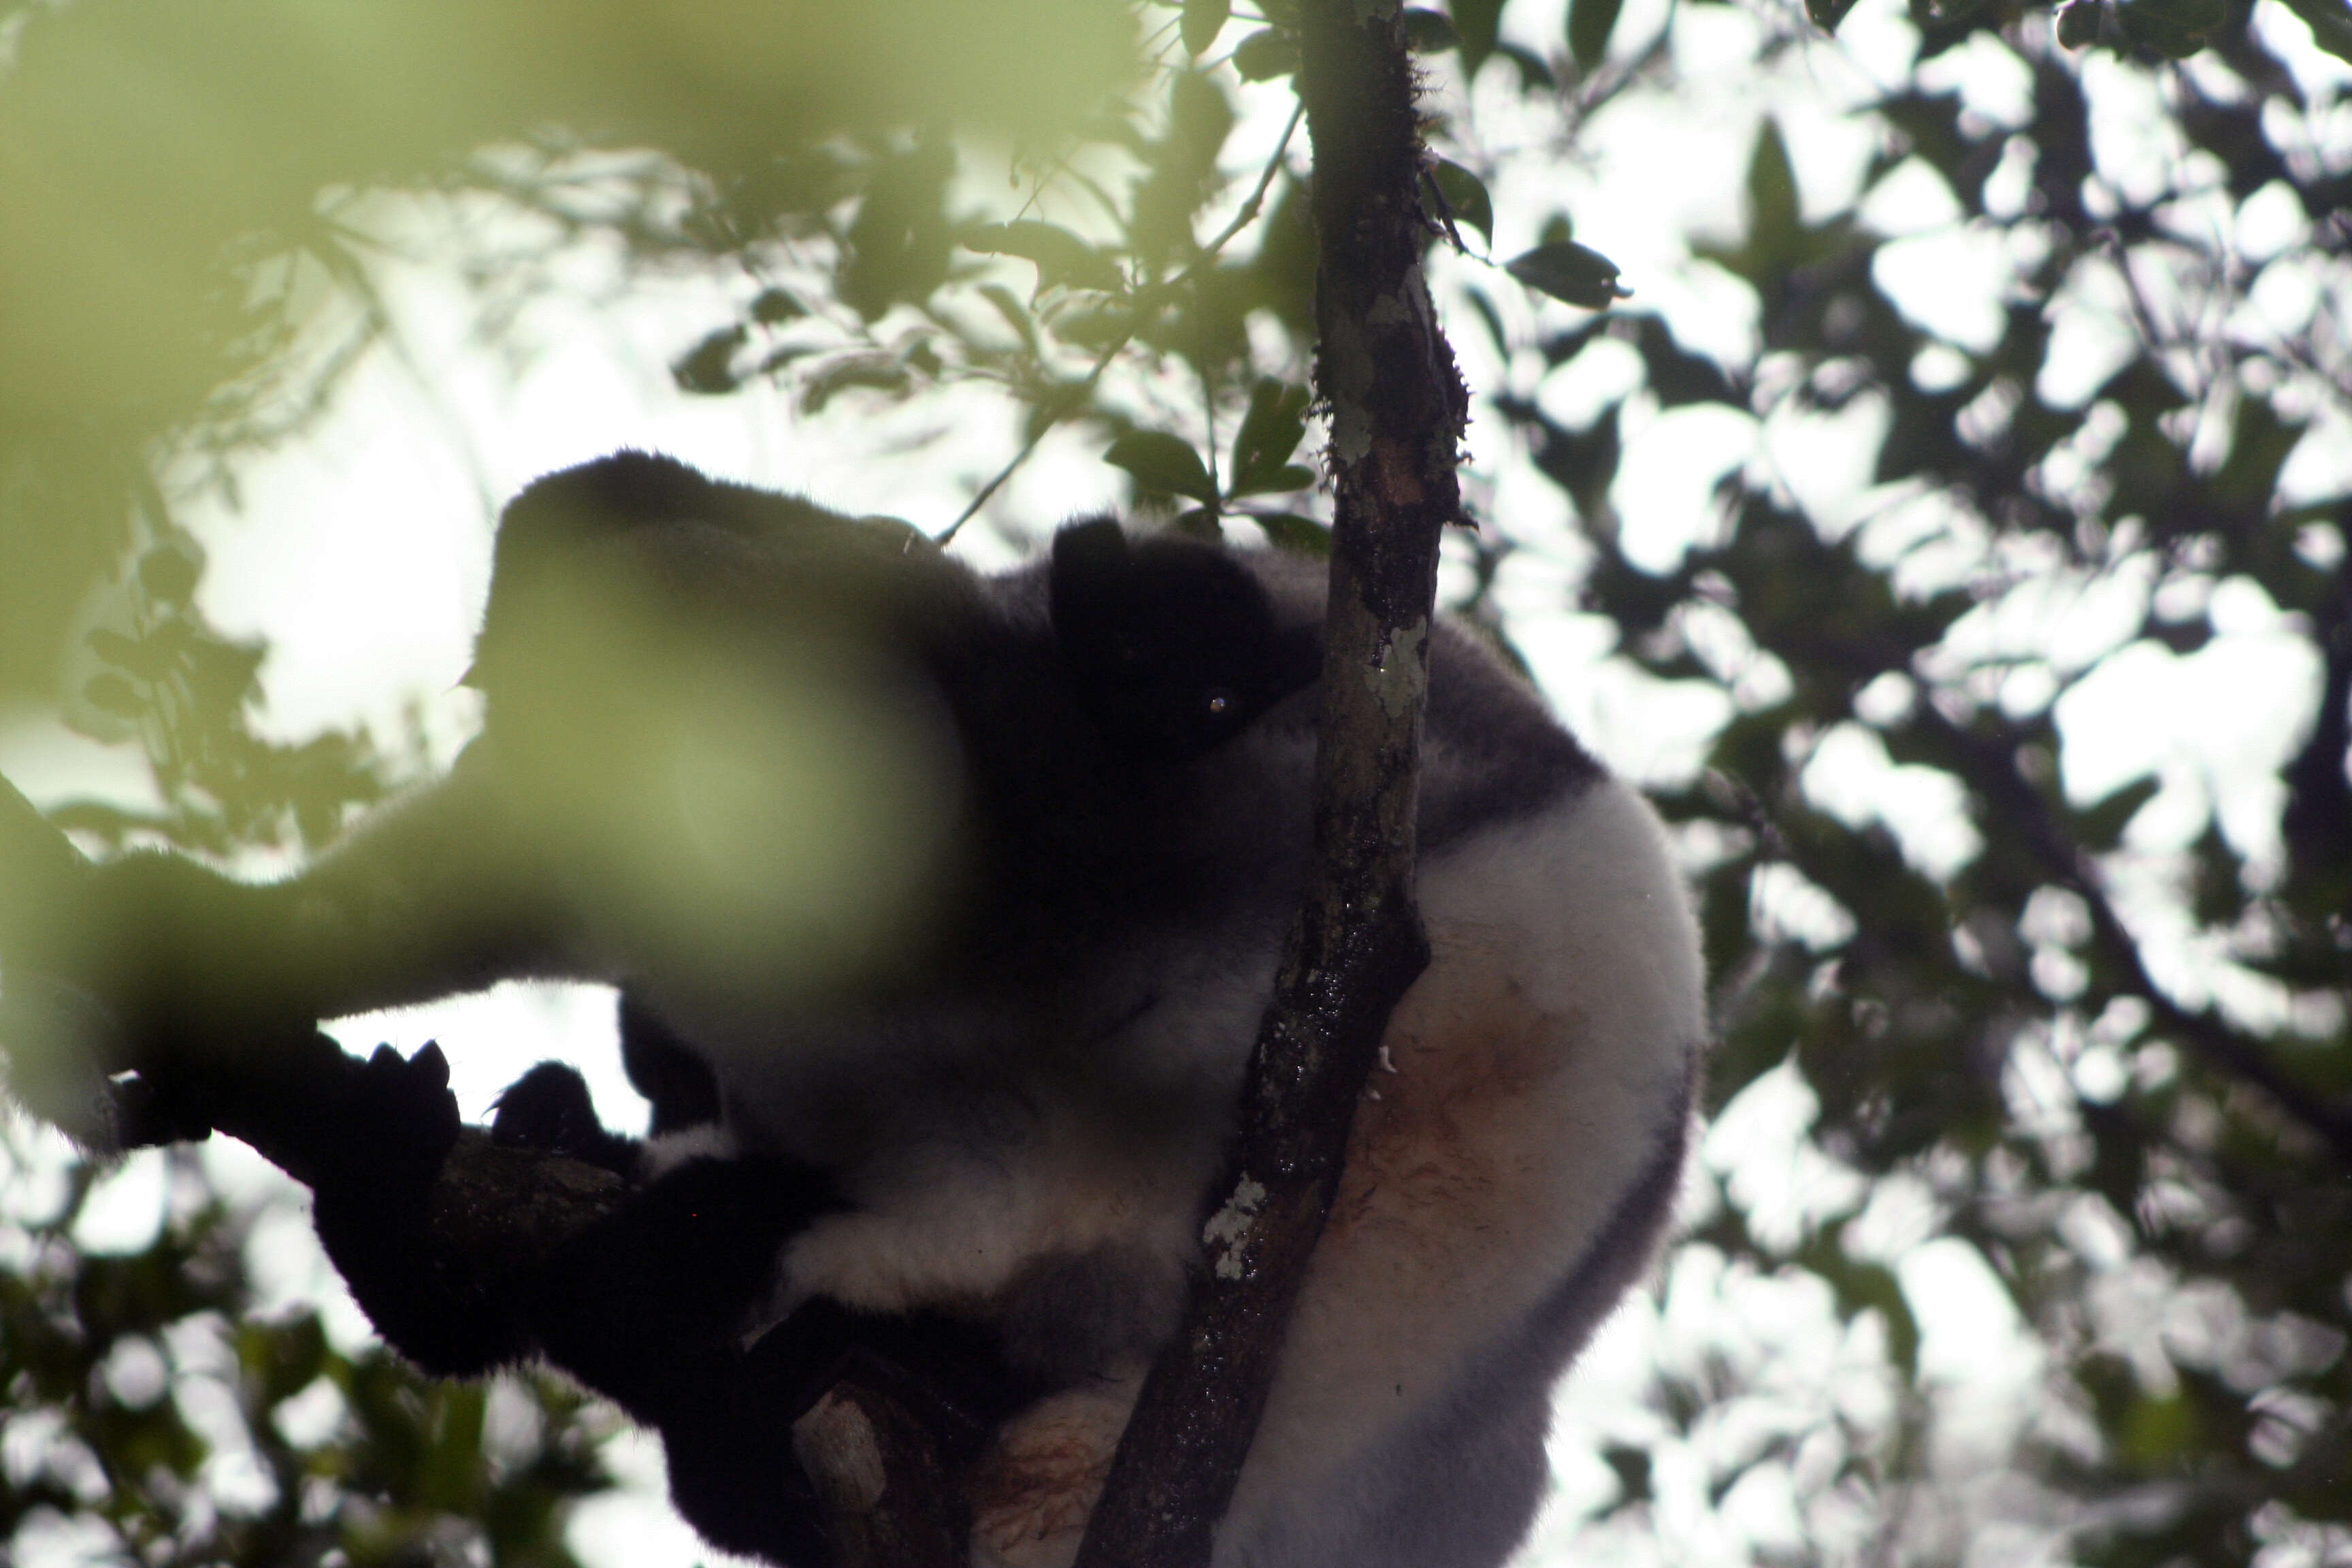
(169, 571)
(1062, 258)
(1774, 220)
(1203, 21)
(708, 368)
(774, 306)
(1474, 24)
(1590, 22)
(112, 694)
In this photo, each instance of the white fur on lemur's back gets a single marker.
(1527, 1102)
(1528, 1105)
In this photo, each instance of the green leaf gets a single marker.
(1265, 54)
(1299, 535)
(1573, 272)
(1270, 433)
(1203, 20)
(1163, 462)
(1590, 22)
(1466, 197)
(1428, 31)
(1061, 257)
(1475, 23)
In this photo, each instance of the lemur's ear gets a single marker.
(1091, 563)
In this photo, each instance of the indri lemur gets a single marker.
(944, 907)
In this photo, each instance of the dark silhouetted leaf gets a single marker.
(1573, 272)
(1299, 535)
(1163, 462)
(1428, 31)
(1270, 433)
(1265, 54)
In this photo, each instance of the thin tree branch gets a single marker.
(1398, 408)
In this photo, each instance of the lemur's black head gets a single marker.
(1171, 644)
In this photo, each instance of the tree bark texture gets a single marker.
(1397, 409)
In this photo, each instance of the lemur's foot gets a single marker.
(548, 1108)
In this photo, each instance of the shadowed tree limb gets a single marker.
(1397, 408)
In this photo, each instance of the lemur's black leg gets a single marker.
(383, 1132)
(647, 1308)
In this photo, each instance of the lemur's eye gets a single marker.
(1218, 703)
